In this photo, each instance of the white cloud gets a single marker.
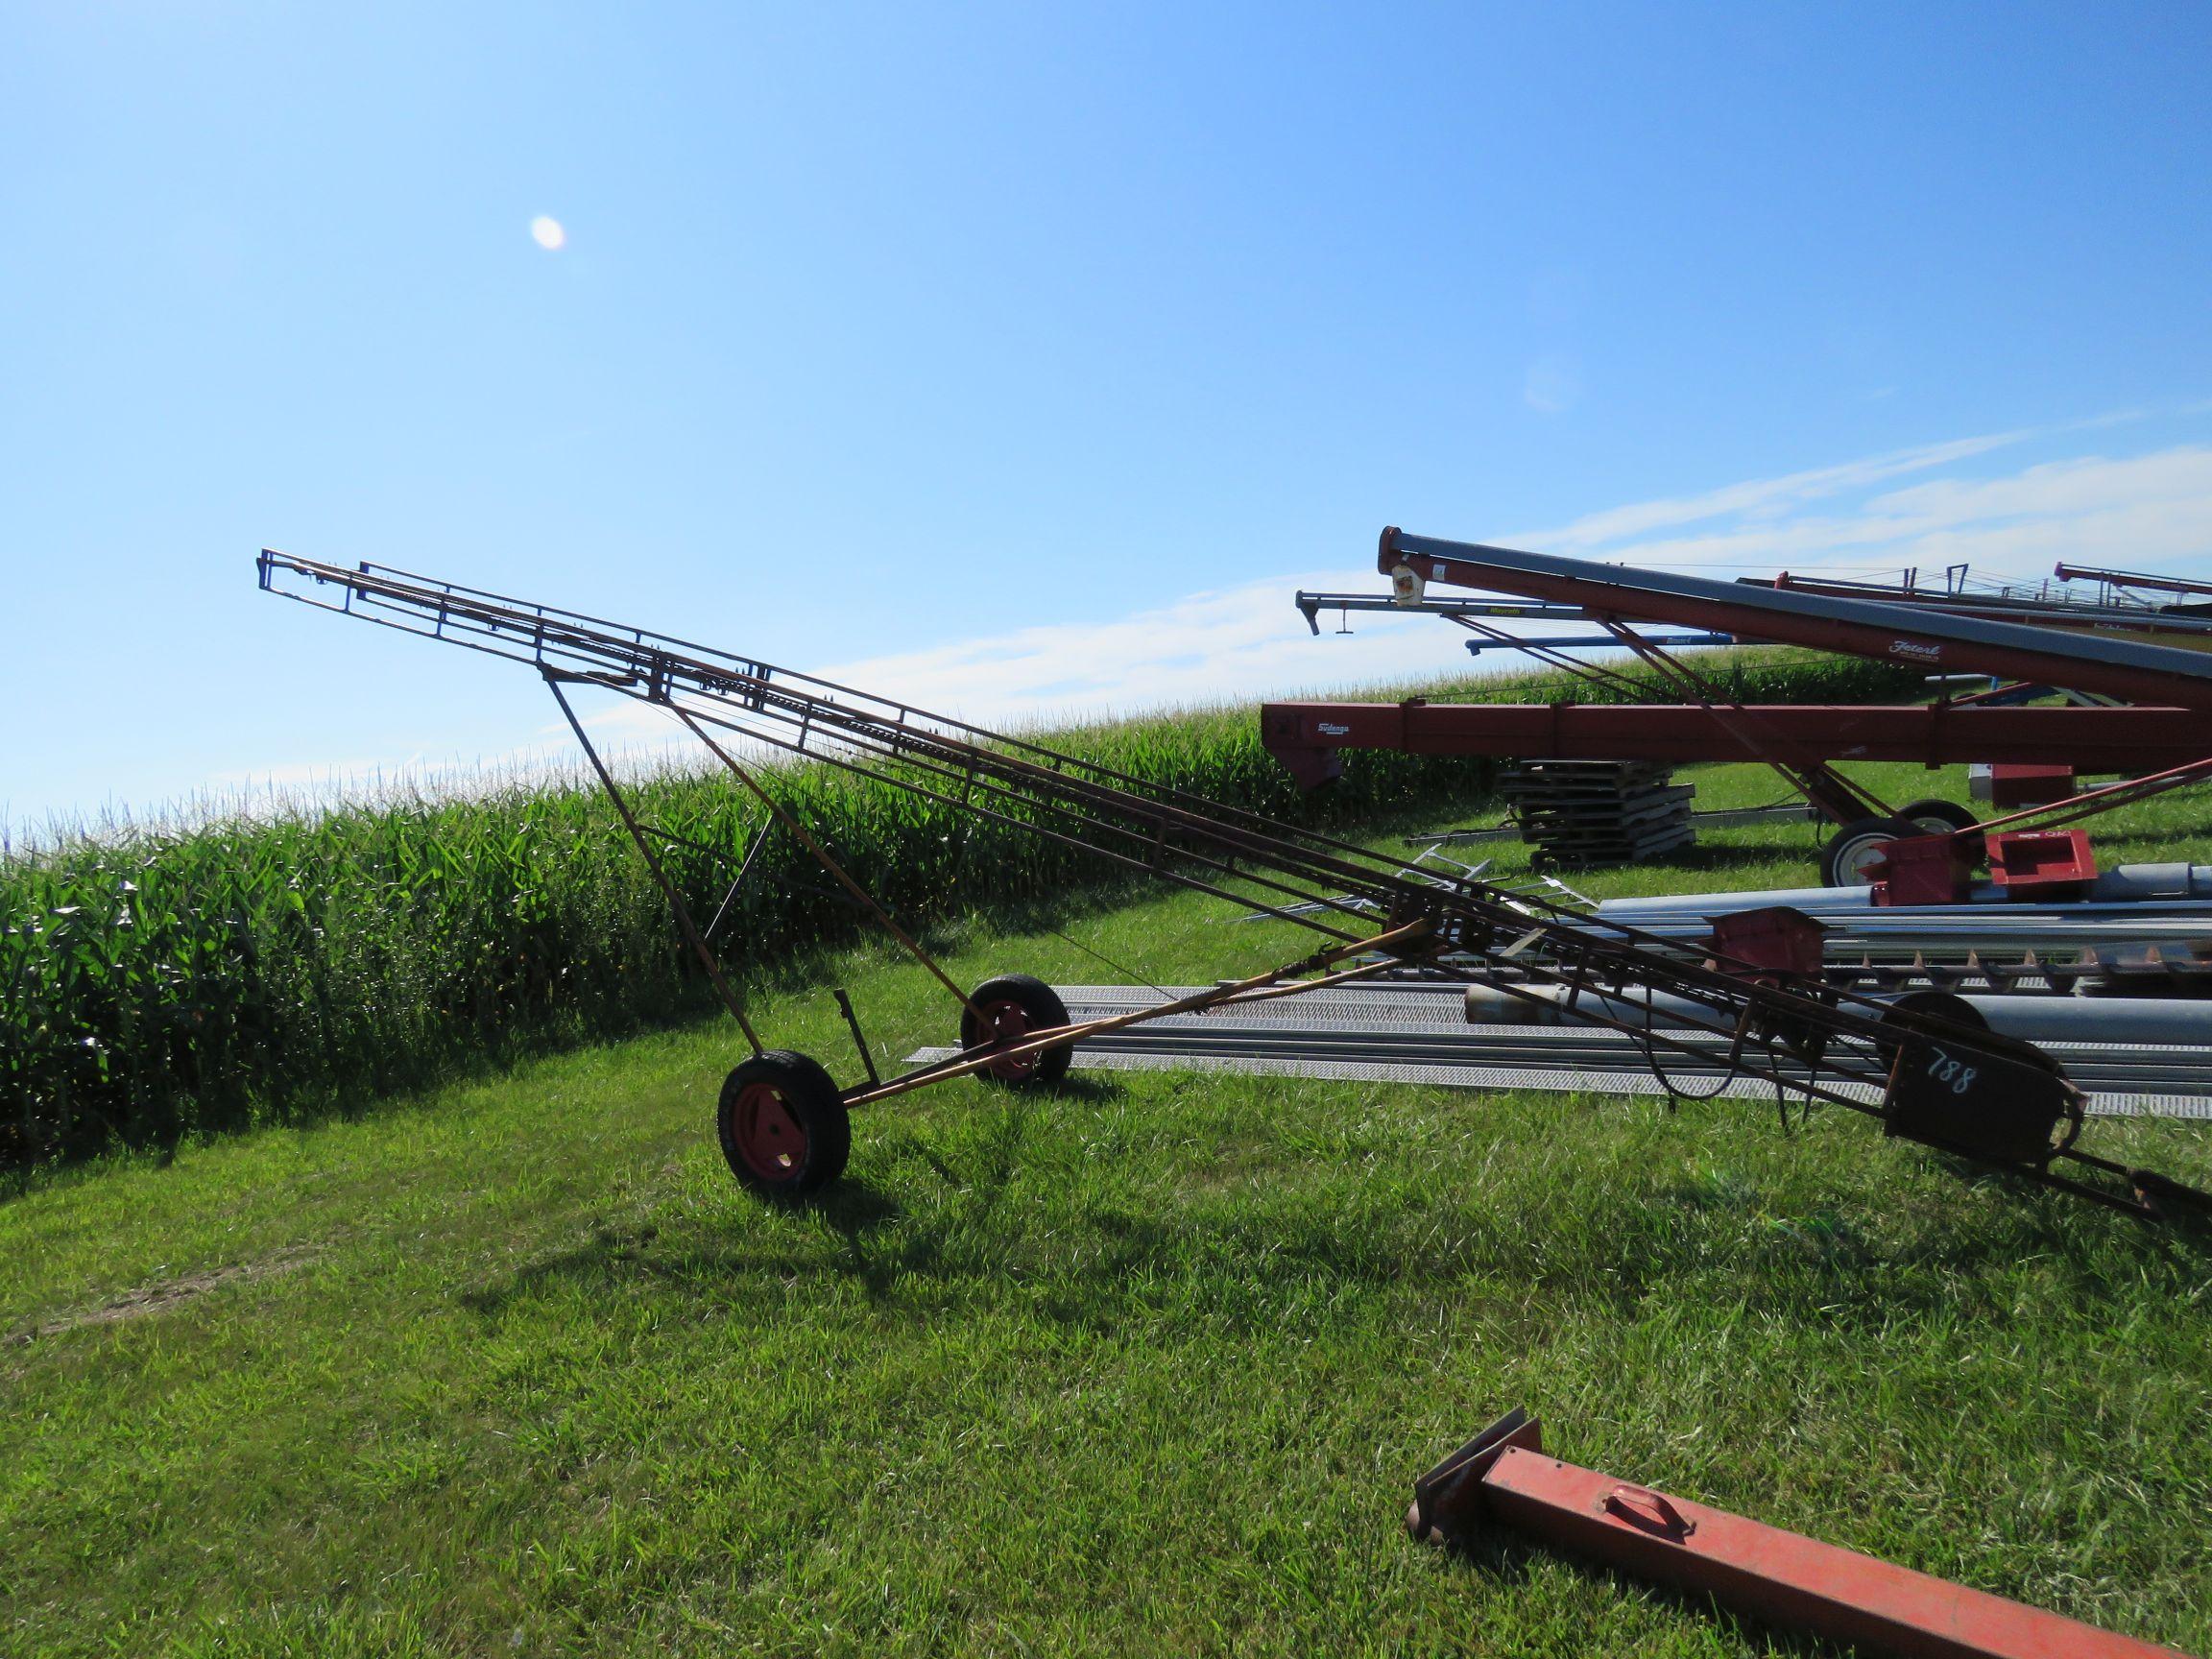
(1758, 497)
(2088, 509)
(2084, 483)
(1209, 647)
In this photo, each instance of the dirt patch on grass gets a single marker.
(166, 1293)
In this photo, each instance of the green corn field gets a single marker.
(157, 984)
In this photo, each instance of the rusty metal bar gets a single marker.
(2049, 814)
(676, 904)
(1153, 863)
(1503, 1477)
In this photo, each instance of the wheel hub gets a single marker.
(769, 1137)
(1009, 1024)
(1857, 860)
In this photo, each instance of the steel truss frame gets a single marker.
(1944, 1082)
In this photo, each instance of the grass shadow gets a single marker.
(1836, 1269)
(871, 1246)
(932, 1216)
(1094, 1088)
(853, 1210)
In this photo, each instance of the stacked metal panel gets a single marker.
(2125, 1052)
(1587, 812)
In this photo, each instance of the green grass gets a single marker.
(1144, 1366)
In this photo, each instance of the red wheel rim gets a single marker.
(1009, 1024)
(770, 1140)
(1855, 860)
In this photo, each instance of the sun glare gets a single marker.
(545, 231)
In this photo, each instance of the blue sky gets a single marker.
(1029, 356)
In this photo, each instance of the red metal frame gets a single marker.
(1924, 870)
(1302, 735)
(2026, 783)
(1784, 1578)
(2041, 863)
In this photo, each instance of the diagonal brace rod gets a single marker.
(682, 912)
(822, 857)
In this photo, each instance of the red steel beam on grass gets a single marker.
(1303, 736)
(2138, 672)
(1782, 1579)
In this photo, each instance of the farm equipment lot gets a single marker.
(1146, 1366)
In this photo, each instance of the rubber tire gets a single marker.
(1852, 840)
(812, 1099)
(1042, 1007)
(1939, 816)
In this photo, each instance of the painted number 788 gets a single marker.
(1945, 1069)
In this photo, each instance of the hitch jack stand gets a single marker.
(1785, 1580)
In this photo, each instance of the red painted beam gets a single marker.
(2140, 673)
(1783, 1578)
(1303, 735)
